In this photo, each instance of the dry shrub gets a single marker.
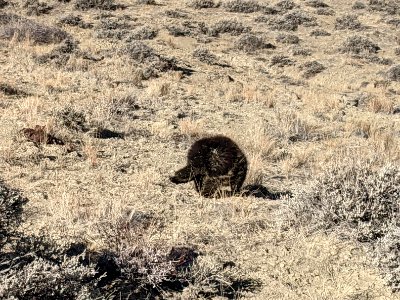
(199, 4)
(348, 21)
(242, 6)
(357, 44)
(312, 68)
(281, 61)
(352, 196)
(393, 74)
(250, 43)
(204, 55)
(390, 7)
(357, 200)
(19, 28)
(233, 27)
(34, 7)
(97, 4)
(11, 204)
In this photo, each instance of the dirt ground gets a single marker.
(292, 108)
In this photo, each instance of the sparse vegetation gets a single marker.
(312, 68)
(242, 6)
(100, 101)
(250, 43)
(199, 4)
(357, 44)
(356, 200)
(233, 27)
(348, 22)
(287, 38)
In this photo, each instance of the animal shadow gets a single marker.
(260, 191)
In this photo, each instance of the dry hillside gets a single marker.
(308, 89)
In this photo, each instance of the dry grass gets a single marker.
(292, 108)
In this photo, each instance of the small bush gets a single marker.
(391, 7)
(301, 51)
(352, 196)
(143, 33)
(358, 5)
(242, 6)
(358, 44)
(36, 8)
(393, 74)
(285, 5)
(397, 51)
(350, 22)
(291, 21)
(358, 201)
(74, 20)
(316, 3)
(281, 61)
(311, 69)
(176, 14)
(3, 3)
(387, 256)
(147, 2)
(233, 27)
(13, 26)
(319, 32)
(199, 4)
(205, 56)
(287, 38)
(178, 30)
(72, 119)
(96, 4)
(325, 11)
(11, 207)
(250, 43)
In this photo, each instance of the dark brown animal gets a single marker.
(38, 136)
(216, 165)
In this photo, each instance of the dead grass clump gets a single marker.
(199, 4)
(72, 119)
(21, 29)
(347, 21)
(316, 3)
(393, 74)
(233, 27)
(250, 43)
(143, 33)
(74, 20)
(96, 4)
(242, 6)
(11, 207)
(281, 61)
(36, 8)
(287, 38)
(357, 44)
(311, 69)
